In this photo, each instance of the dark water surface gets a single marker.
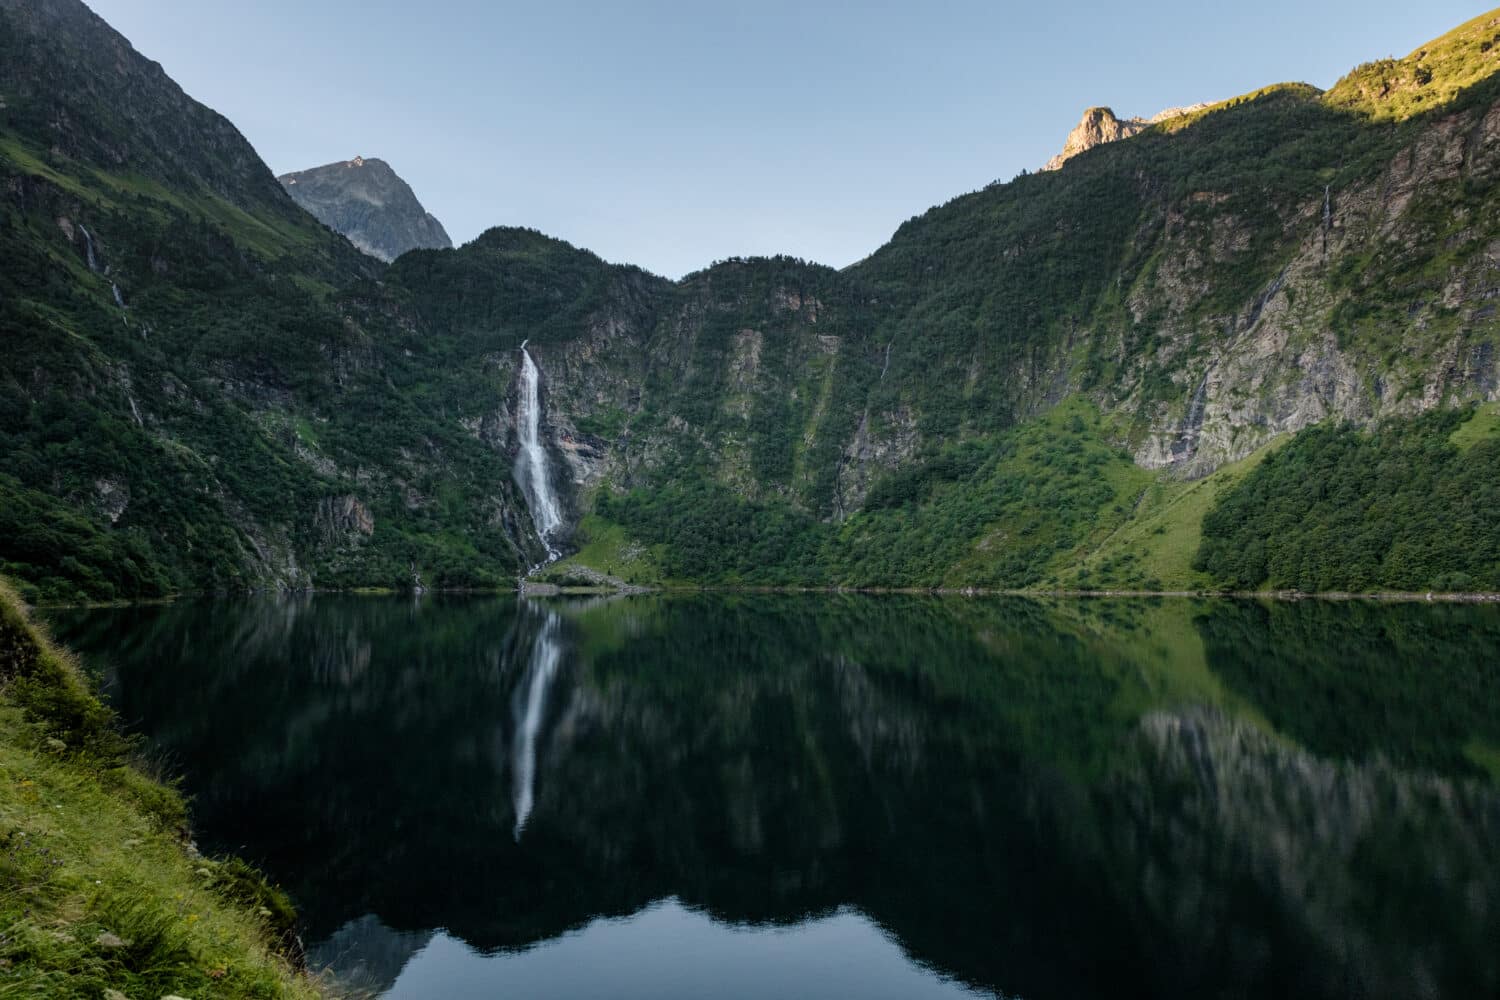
(829, 796)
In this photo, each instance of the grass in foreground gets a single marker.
(100, 894)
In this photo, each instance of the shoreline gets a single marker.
(113, 897)
(526, 588)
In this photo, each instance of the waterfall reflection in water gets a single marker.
(529, 709)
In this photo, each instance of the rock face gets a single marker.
(1099, 126)
(366, 201)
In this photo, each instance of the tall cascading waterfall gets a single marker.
(531, 464)
(529, 709)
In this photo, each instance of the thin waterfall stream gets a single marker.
(531, 464)
(88, 244)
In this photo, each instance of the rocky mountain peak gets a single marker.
(369, 203)
(1100, 125)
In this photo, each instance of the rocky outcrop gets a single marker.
(366, 201)
(1100, 125)
(344, 519)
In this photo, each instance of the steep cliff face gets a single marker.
(1264, 265)
(1237, 274)
(366, 201)
(1362, 320)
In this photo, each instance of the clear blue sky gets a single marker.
(670, 134)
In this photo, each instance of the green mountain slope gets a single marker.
(1432, 76)
(184, 402)
(1022, 388)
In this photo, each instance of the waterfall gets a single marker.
(119, 299)
(1327, 215)
(531, 463)
(530, 709)
(88, 246)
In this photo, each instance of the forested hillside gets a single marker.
(1069, 379)
(184, 402)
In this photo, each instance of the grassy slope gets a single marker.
(1429, 77)
(1483, 426)
(91, 848)
(1154, 549)
(607, 548)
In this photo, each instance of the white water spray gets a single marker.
(530, 710)
(531, 463)
(119, 299)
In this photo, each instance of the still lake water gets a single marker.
(840, 796)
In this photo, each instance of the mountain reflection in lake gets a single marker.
(803, 796)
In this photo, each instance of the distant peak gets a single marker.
(373, 207)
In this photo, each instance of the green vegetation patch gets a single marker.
(1155, 549)
(98, 888)
(607, 548)
(1003, 511)
(1399, 507)
(1483, 426)
(1428, 78)
(1006, 512)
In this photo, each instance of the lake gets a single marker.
(843, 796)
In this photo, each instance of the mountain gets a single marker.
(1254, 346)
(184, 401)
(1099, 125)
(75, 90)
(366, 201)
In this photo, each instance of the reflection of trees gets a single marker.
(1022, 793)
(1415, 684)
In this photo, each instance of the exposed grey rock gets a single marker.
(366, 201)
(344, 519)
